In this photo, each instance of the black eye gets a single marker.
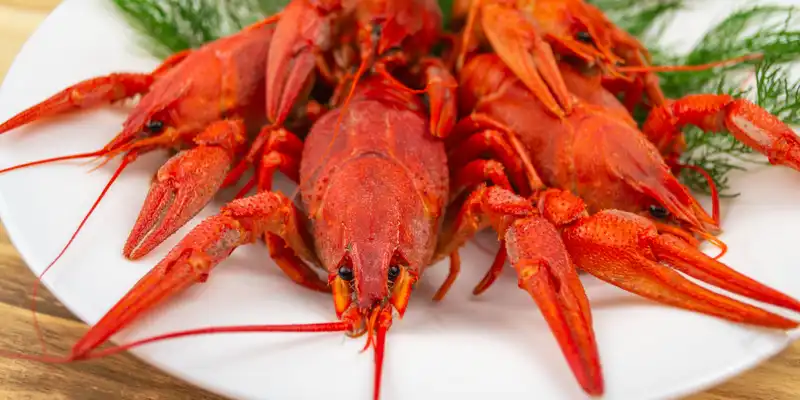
(155, 126)
(584, 37)
(658, 212)
(346, 273)
(394, 272)
(377, 29)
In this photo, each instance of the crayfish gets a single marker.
(372, 177)
(391, 182)
(533, 37)
(619, 209)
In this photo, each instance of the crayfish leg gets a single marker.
(441, 87)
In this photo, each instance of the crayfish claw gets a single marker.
(185, 265)
(182, 187)
(747, 122)
(546, 272)
(697, 264)
(89, 93)
(302, 30)
(518, 44)
(626, 250)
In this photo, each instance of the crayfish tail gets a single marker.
(695, 263)
(617, 247)
(546, 272)
(89, 93)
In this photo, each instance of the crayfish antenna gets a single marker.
(340, 326)
(712, 186)
(89, 93)
(78, 156)
(384, 321)
(125, 162)
(626, 250)
(688, 68)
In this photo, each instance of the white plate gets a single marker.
(497, 344)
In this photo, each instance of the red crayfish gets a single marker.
(373, 178)
(382, 197)
(622, 213)
(531, 36)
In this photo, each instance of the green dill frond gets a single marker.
(771, 31)
(644, 19)
(172, 26)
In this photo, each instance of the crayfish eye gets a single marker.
(658, 212)
(154, 126)
(584, 37)
(394, 272)
(346, 273)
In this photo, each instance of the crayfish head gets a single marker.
(156, 114)
(361, 288)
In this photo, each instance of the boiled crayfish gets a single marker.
(532, 37)
(382, 197)
(378, 146)
(606, 190)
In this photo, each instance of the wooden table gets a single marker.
(125, 377)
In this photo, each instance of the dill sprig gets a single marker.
(760, 29)
(767, 30)
(172, 26)
(644, 19)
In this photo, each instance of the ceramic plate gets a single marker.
(497, 344)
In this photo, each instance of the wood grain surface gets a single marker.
(125, 377)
